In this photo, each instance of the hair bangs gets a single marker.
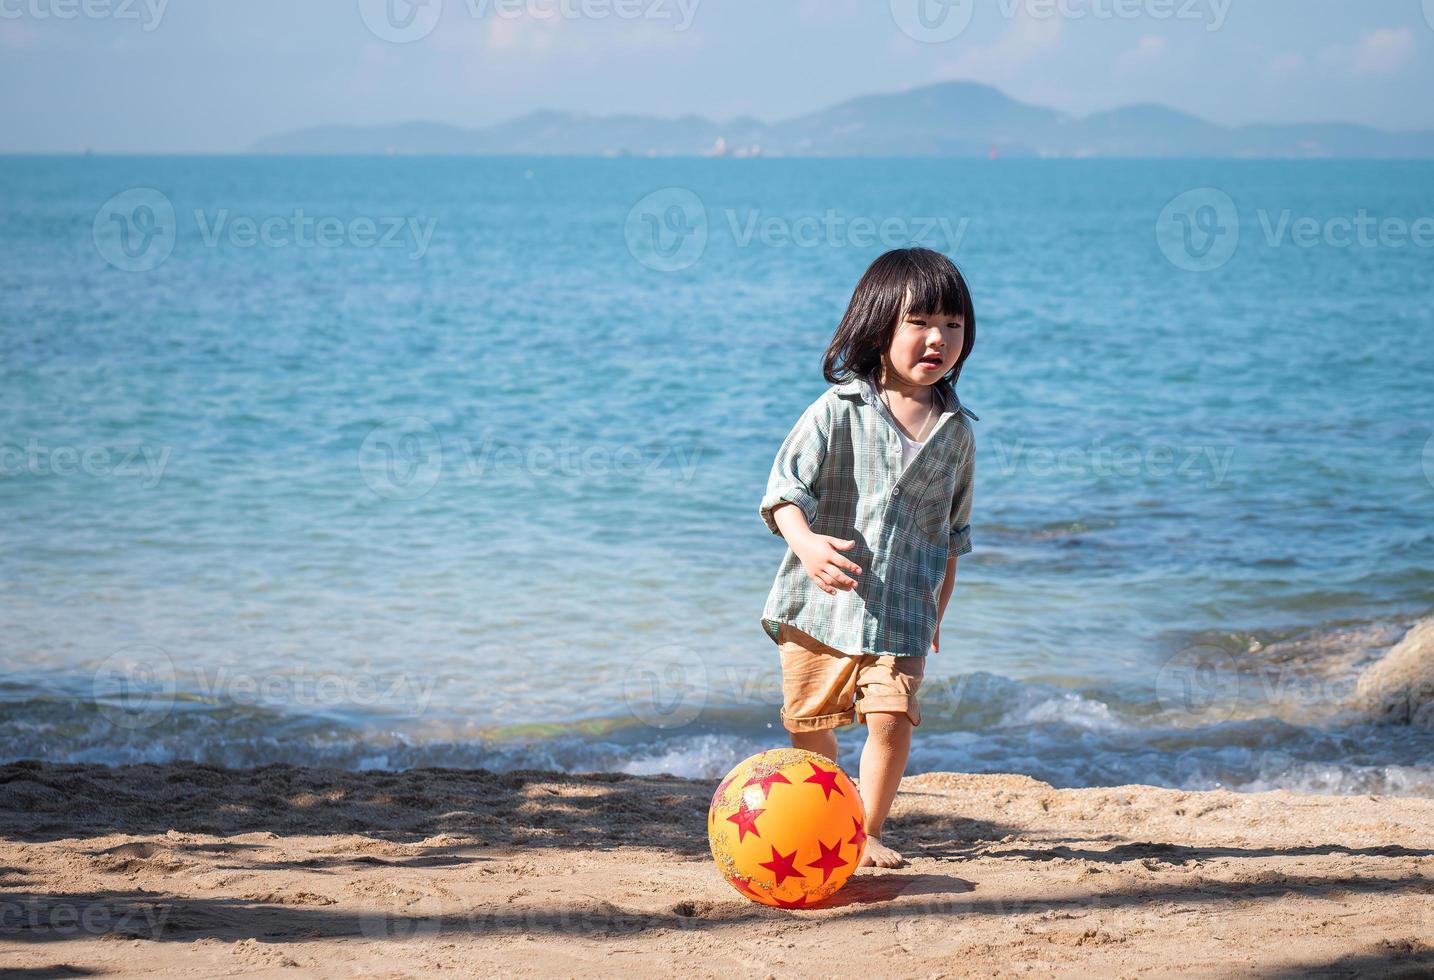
(936, 288)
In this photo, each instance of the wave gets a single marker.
(977, 723)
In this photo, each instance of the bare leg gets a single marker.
(823, 742)
(883, 760)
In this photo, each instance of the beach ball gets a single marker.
(787, 828)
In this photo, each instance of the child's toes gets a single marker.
(879, 855)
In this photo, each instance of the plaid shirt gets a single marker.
(841, 464)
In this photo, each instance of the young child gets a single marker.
(872, 491)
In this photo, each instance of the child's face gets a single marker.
(926, 346)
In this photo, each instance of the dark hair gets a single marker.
(872, 316)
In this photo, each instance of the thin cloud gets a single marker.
(17, 36)
(828, 10)
(1383, 52)
(1005, 58)
(1149, 51)
(1284, 65)
(532, 35)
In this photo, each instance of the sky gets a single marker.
(213, 76)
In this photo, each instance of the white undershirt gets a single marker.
(909, 449)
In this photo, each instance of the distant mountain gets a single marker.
(955, 119)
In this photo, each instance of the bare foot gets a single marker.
(879, 855)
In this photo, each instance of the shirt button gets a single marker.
(896, 492)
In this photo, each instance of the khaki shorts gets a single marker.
(825, 688)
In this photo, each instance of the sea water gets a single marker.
(387, 462)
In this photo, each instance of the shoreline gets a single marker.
(1340, 709)
(173, 869)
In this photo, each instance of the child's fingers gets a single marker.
(821, 583)
(838, 579)
(847, 563)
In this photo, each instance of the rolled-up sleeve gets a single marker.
(798, 463)
(961, 502)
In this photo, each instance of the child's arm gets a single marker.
(948, 585)
(960, 540)
(793, 481)
(820, 554)
(795, 471)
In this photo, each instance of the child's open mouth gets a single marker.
(930, 362)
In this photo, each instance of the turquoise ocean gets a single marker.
(394, 462)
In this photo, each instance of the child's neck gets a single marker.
(919, 394)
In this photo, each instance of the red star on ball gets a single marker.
(825, 778)
(794, 903)
(742, 886)
(721, 788)
(746, 820)
(858, 838)
(783, 866)
(830, 860)
(766, 783)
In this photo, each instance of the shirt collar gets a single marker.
(860, 387)
(857, 387)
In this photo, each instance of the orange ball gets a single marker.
(787, 828)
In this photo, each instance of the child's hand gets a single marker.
(826, 564)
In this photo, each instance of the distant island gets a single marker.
(948, 119)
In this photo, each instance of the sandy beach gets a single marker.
(184, 870)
